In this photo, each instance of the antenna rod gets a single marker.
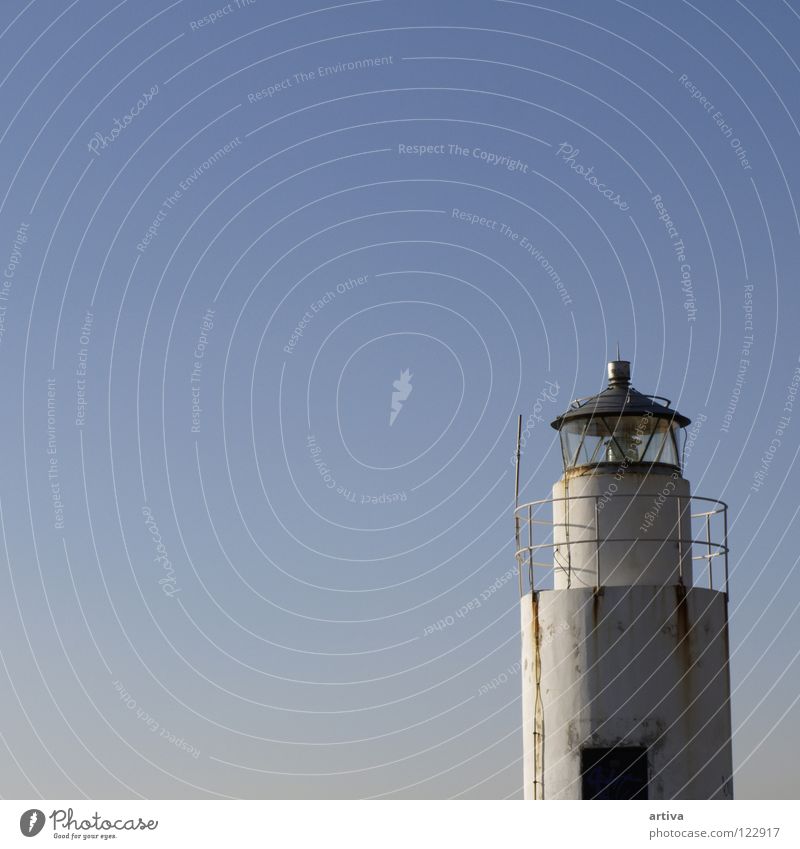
(519, 440)
(516, 504)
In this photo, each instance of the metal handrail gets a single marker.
(525, 553)
(722, 505)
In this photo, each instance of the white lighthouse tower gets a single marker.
(625, 680)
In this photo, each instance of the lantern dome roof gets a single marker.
(619, 398)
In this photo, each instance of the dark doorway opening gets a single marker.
(616, 773)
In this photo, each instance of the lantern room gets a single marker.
(620, 426)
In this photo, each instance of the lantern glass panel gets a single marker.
(620, 440)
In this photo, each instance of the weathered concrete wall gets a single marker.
(638, 666)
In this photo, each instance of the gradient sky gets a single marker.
(280, 642)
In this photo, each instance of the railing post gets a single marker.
(597, 542)
(530, 546)
(680, 543)
(725, 544)
(708, 552)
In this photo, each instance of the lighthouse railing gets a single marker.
(707, 514)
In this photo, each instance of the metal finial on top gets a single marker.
(619, 373)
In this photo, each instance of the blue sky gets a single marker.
(225, 236)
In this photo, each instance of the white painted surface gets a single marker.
(628, 554)
(638, 665)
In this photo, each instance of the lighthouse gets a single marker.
(624, 612)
